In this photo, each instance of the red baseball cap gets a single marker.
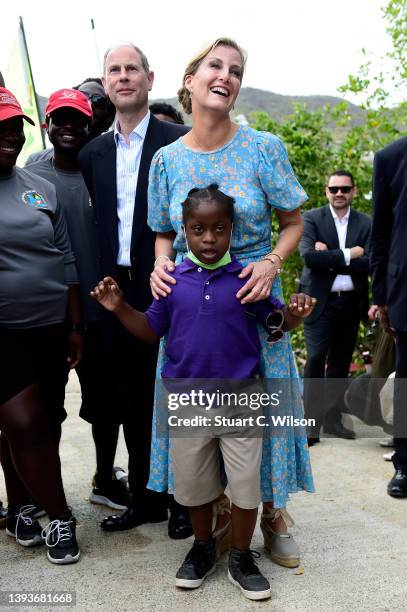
(69, 97)
(9, 106)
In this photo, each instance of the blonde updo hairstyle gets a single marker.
(184, 96)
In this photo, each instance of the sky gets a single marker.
(294, 47)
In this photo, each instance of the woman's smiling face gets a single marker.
(216, 83)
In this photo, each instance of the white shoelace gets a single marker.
(25, 515)
(61, 528)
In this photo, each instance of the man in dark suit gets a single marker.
(116, 167)
(334, 249)
(388, 259)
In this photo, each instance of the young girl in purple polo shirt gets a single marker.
(212, 335)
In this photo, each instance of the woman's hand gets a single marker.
(160, 280)
(259, 285)
(108, 294)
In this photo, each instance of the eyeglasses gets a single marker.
(345, 189)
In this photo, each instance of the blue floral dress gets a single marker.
(254, 168)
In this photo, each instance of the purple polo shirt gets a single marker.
(211, 334)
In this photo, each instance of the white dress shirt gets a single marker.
(127, 168)
(342, 282)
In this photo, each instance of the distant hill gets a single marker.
(276, 105)
(251, 100)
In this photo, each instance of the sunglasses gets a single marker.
(96, 98)
(334, 190)
(274, 323)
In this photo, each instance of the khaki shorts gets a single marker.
(197, 470)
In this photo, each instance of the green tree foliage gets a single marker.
(321, 141)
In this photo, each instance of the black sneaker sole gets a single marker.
(35, 541)
(66, 560)
(253, 595)
(105, 501)
(184, 583)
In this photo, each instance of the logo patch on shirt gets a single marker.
(33, 198)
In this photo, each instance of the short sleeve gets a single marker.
(158, 316)
(277, 177)
(263, 308)
(62, 242)
(158, 196)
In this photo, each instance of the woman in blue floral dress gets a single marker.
(253, 167)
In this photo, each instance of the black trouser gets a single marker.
(117, 384)
(400, 403)
(330, 341)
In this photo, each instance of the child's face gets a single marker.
(208, 230)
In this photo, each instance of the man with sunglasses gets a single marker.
(334, 248)
(103, 110)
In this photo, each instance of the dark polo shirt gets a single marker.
(211, 334)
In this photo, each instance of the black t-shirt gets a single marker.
(80, 219)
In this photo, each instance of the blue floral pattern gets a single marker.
(254, 168)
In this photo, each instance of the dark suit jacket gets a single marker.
(321, 267)
(98, 164)
(388, 246)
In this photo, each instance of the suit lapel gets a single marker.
(153, 141)
(107, 181)
(329, 230)
(353, 230)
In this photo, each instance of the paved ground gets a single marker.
(353, 539)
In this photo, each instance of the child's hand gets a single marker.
(301, 305)
(108, 294)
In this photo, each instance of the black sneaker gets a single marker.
(38, 511)
(244, 573)
(22, 526)
(198, 564)
(60, 538)
(114, 493)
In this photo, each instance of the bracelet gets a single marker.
(277, 254)
(268, 258)
(159, 257)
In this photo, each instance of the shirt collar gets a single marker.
(187, 265)
(140, 130)
(344, 219)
